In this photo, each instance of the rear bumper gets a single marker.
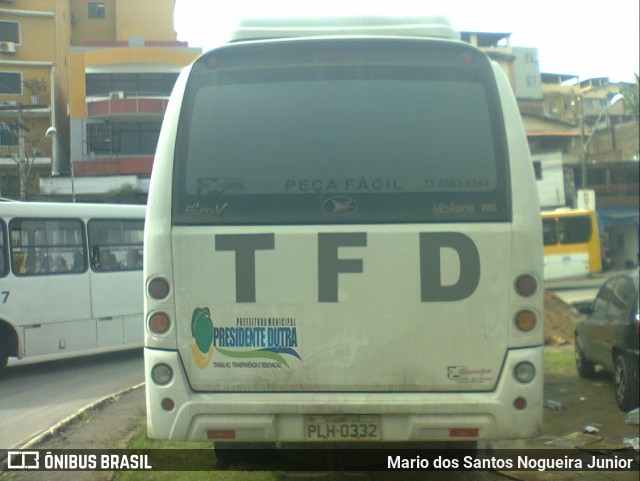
(404, 416)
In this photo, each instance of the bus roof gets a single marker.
(566, 212)
(271, 28)
(67, 209)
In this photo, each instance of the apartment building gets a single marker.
(103, 71)
(520, 64)
(564, 117)
(32, 56)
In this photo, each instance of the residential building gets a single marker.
(32, 67)
(520, 64)
(561, 94)
(108, 67)
(578, 140)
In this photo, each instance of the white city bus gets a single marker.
(70, 279)
(343, 242)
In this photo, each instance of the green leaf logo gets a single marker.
(202, 329)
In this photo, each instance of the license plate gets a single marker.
(340, 428)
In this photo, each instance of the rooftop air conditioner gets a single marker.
(116, 95)
(7, 47)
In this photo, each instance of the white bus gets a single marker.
(70, 279)
(343, 243)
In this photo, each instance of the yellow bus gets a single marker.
(571, 243)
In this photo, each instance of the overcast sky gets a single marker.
(586, 38)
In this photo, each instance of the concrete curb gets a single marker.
(53, 430)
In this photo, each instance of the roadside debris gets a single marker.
(589, 429)
(633, 417)
(555, 405)
(574, 440)
(634, 442)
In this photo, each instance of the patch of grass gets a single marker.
(559, 361)
(141, 441)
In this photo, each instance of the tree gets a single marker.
(36, 87)
(18, 130)
(631, 102)
(126, 194)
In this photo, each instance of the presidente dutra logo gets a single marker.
(259, 338)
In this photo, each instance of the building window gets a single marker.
(532, 81)
(11, 83)
(8, 134)
(123, 138)
(99, 138)
(100, 84)
(530, 58)
(10, 32)
(96, 10)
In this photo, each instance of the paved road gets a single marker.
(579, 289)
(34, 397)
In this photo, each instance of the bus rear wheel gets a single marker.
(4, 358)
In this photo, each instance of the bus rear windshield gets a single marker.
(381, 138)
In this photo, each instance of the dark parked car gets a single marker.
(608, 337)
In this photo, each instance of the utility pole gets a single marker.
(23, 161)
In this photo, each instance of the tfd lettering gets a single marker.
(330, 265)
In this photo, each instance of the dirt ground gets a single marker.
(586, 402)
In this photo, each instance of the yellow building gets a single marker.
(60, 63)
(31, 49)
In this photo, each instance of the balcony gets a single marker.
(125, 165)
(615, 183)
(30, 106)
(121, 104)
(615, 190)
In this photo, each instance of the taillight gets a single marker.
(525, 320)
(526, 285)
(520, 403)
(158, 288)
(159, 323)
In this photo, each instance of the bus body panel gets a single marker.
(383, 333)
(359, 355)
(407, 416)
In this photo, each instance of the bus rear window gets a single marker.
(574, 230)
(367, 141)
